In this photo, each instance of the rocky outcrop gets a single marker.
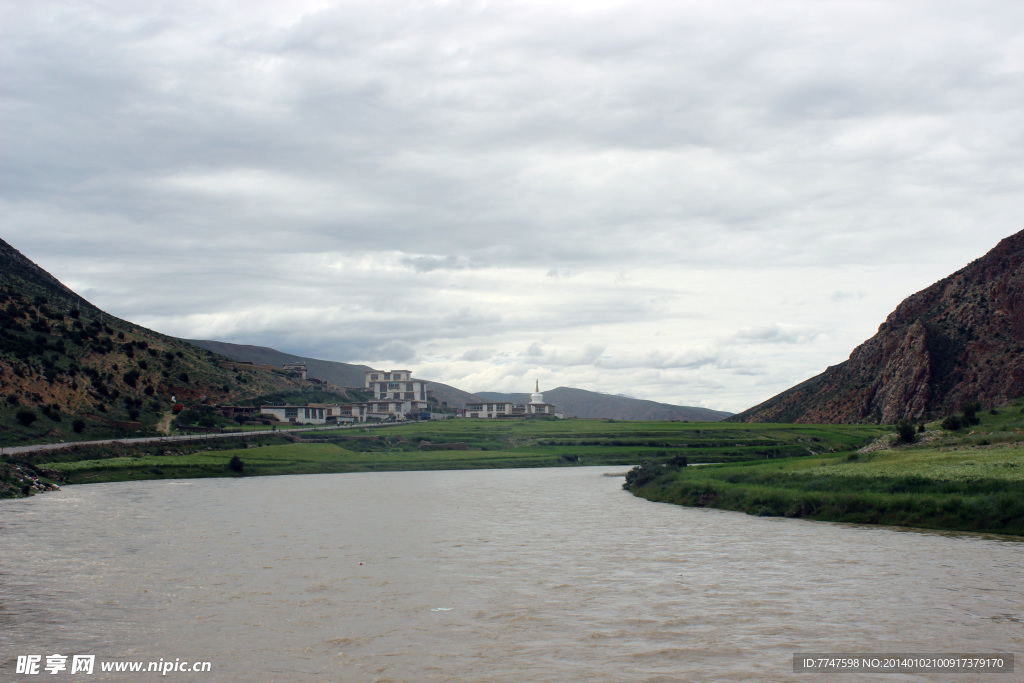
(960, 340)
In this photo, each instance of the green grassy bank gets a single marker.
(452, 444)
(956, 481)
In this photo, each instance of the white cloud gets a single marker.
(692, 202)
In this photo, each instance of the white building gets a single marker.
(313, 414)
(491, 409)
(396, 394)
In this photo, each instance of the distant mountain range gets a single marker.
(342, 374)
(958, 341)
(592, 404)
(571, 402)
(62, 357)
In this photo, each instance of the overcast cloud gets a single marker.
(701, 203)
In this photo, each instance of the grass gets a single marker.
(453, 444)
(964, 481)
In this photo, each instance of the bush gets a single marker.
(27, 416)
(970, 414)
(642, 474)
(952, 424)
(906, 430)
(78, 426)
(236, 464)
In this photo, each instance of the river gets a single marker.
(489, 575)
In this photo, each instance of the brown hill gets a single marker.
(958, 341)
(69, 370)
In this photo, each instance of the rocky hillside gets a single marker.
(958, 341)
(68, 370)
(591, 404)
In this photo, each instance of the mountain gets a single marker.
(342, 374)
(591, 404)
(67, 367)
(958, 341)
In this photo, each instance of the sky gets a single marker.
(695, 202)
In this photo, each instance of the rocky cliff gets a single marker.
(960, 340)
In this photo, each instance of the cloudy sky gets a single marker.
(694, 202)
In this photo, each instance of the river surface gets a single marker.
(492, 575)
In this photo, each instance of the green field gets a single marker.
(963, 481)
(458, 444)
(959, 481)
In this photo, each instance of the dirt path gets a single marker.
(164, 425)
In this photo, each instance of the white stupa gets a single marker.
(536, 396)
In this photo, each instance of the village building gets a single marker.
(492, 409)
(297, 368)
(396, 394)
(316, 413)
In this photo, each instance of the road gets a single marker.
(13, 450)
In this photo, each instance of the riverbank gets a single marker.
(955, 481)
(452, 444)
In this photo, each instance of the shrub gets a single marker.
(642, 474)
(906, 431)
(236, 464)
(78, 426)
(970, 413)
(952, 423)
(27, 416)
(183, 377)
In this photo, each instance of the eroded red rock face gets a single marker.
(960, 340)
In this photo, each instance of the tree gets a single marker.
(236, 464)
(78, 426)
(27, 416)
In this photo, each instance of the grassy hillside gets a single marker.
(971, 480)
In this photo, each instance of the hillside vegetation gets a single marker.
(69, 371)
(969, 479)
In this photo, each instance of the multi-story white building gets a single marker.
(491, 409)
(396, 393)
